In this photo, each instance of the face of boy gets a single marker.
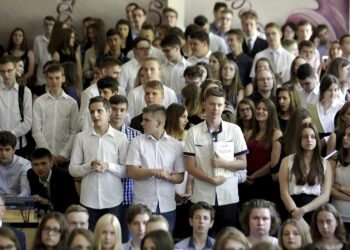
(55, 80)
(201, 221)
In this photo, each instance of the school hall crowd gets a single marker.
(207, 136)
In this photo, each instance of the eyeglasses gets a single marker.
(53, 230)
(265, 79)
(7, 71)
(8, 247)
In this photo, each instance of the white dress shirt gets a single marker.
(199, 144)
(100, 190)
(327, 117)
(42, 56)
(194, 60)
(311, 97)
(217, 43)
(128, 74)
(55, 123)
(281, 60)
(136, 100)
(153, 52)
(166, 153)
(10, 118)
(173, 74)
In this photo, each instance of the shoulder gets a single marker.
(181, 244)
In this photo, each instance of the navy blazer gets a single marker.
(259, 45)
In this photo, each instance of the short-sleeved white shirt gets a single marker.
(199, 144)
(166, 153)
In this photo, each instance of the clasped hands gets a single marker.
(99, 166)
(162, 174)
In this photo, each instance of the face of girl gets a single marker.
(228, 71)
(72, 39)
(81, 243)
(149, 245)
(346, 138)
(261, 112)
(291, 237)
(308, 139)
(17, 37)
(288, 33)
(19, 68)
(345, 73)
(214, 64)
(284, 100)
(346, 117)
(6, 243)
(298, 62)
(51, 233)
(331, 93)
(92, 35)
(233, 245)
(326, 224)
(108, 237)
(183, 120)
(123, 30)
(204, 74)
(335, 51)
(262, 64)
(245, 112)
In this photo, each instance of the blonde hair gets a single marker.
(100, 226)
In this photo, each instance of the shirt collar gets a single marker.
(63, 95)
(206, 128)
(48, 179)
(208, 243)
(254, 37)
(278, 50)
(109, 132)
(164, 137)
(3, 86)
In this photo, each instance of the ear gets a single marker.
(63, 78)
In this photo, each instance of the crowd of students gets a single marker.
(237, 129)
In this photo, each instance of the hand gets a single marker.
(41, 200)
(337, 186)
(250, 180)
(103, 166)
(162, 174)
(216, 161)
(95, 166)
(218, 180)
(298, 213)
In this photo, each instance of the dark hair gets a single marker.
(101, 99)
(336, 65)
(55, 38)
(112, 32)
(88, 235)
(204, 86)
(167, 9)
(304, 71)
(316, 173)
(202, 205)
(132, 4)
(294, 101)
(200, 20)
(237, 32)
(232, 90)
(173, 113)
(108, 82)
(215, 91)
(171, 40)
(41, 153)
(118, 99)
(293, 125)
(50, 18)
(161, 239)
(135, 210)
(156, 109)
(219, 5)
(54, 68)
(128, 42)
(7, 232)
(99, 28)
(271, 123)
(326, 82)
(305, 43)
(290, 25)
(191, 98)
(207, 69)
(175, 31)
(340, 232)
(248, 14)
(140, 8)
(11, 44)
(192, 28)
(259, 203)
(8, 139)
(154, 85)
(109, 61)
(72, 77)
(293, 75)
(342, 38)
(64, 231)
(343, 152)
(137, 40)
(200, 35)
(239, 121)
(193, 71)
(8, 59)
